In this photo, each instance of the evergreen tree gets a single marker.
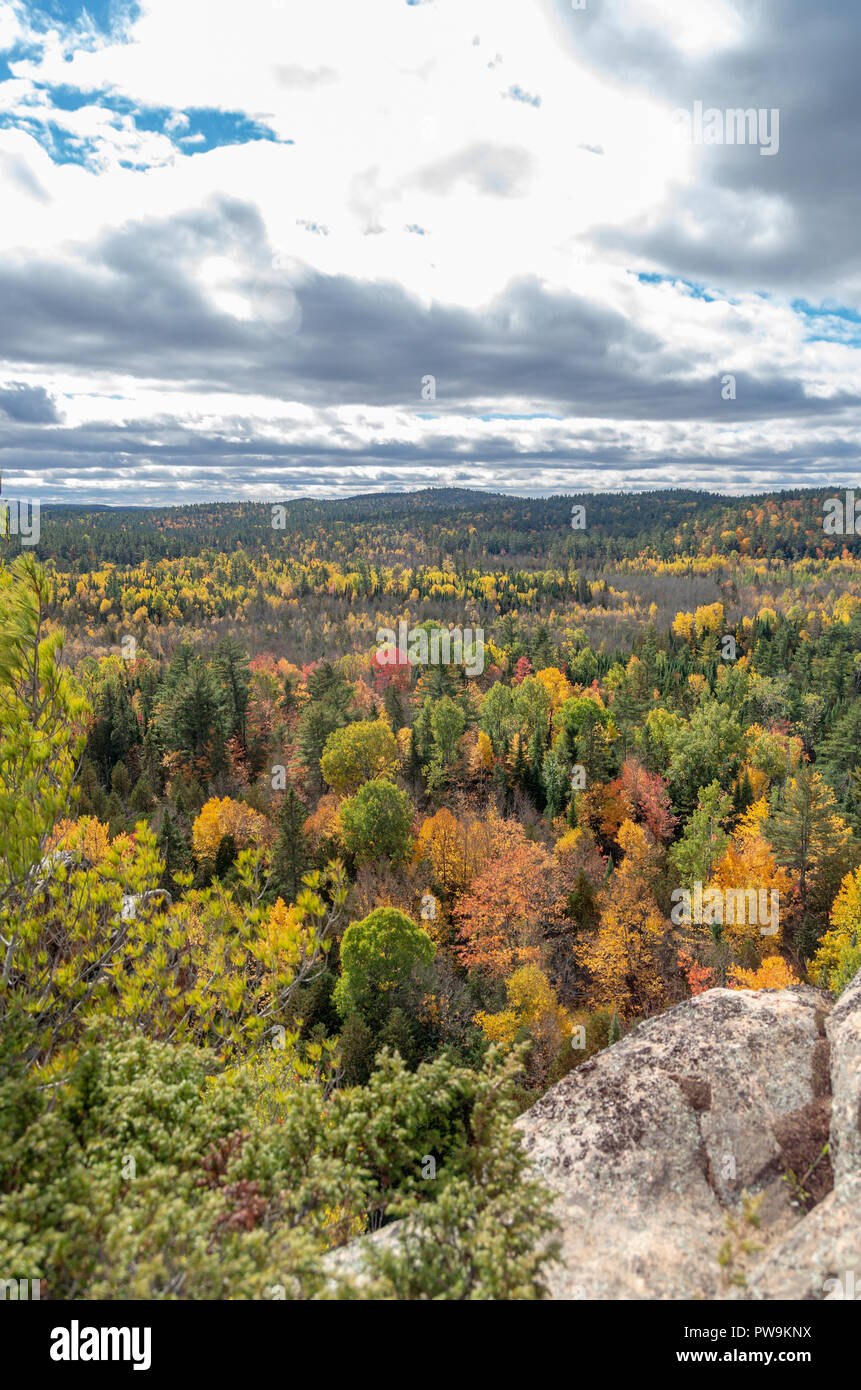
(291, 858)
(173, 848)
(808, 836)
(225, 856)
(394, 707)
(234, 677)
(141, 799)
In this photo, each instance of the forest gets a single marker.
(292, 930)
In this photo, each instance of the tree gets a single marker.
(808, 835)
(648, 795)
(623, 955)
(448, 722)
(513, 902)
(532, 1007)
(379, 955)
(749, 866)
(290, 857)
(191, 712)
(555, 776)
(454, 848)
(316, 722)
(498, 716)
(694, 856)
(41, 738)
(173, 848)
(838, 958)
(234, 676)
(220, 818)
(376, 822)
(774, 973)
(225, 856)
(707, 750)
(587, 732)
(358, 753)
(243, 1182)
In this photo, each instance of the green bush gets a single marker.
(149, 1174)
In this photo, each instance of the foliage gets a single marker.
(622, 955)
(774, 973)
(150, 1175)
(376, 822)
(219, 818)
(357, 753)
(377, 955)
(515, 898)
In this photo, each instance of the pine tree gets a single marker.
(804, 829)
(394, 707)
(291, 858)
(809, 837)
(225, 856)
(742, 795)
(141, 799)
(121, 782)
(173, 849)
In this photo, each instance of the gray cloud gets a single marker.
(131, 306)
(799, 58)
(501, 170)
(16, 170)
(30, 404)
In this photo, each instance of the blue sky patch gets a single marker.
(694, 290)
(834, 323)
(194, 131)
(108, 16)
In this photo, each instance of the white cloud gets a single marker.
(397, 121)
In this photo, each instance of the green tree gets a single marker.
(809, 837)
(555, 775)
(153, 1173)
(709, 749)
(291, 858)
(378, 955)
(694, 856)
(376, 822)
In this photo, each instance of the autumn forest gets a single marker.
(285, 901)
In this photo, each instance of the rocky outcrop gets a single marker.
(652, 1146)
(844, 1035)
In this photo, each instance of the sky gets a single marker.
(278, 249)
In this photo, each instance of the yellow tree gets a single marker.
(87, 835)
(227, 817)
(748, 867)
(839, 953)
(622, 955)
(358, 753)
(455, 849)
(774, 973)
(556, 685)
(533, 1008)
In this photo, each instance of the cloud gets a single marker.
(501, 171)
(739, 219)
(233, 247)
(29, 404)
